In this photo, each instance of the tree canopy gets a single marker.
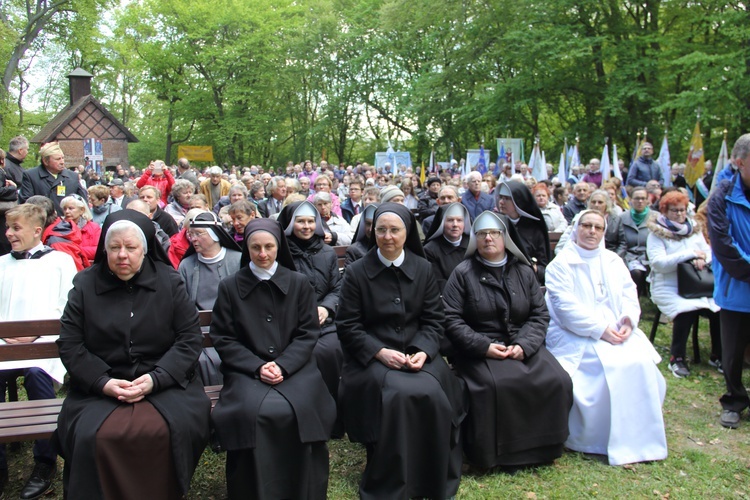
(265, 81)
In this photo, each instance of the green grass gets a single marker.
(705, 460)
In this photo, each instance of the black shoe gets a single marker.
(730, 419)
(3, 482)
(679, 368)
(40, 481)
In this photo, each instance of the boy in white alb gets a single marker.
(34, 284)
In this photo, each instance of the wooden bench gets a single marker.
(554, 239)
(341, 255)
(27, 420)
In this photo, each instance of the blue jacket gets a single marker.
(476, 207)
(642, 171)
(729, 231)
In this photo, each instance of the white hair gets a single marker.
(124, 226)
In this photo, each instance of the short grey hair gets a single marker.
(607, 199)
(740, 150)
(17, 143)
(80, 202)
(273, 184)
(181, 186)
(238, 187)
(124, 226)
(323, 196)
(451, 187)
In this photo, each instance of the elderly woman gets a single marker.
(618, 390)
(336, 231)
(674, 239)
(274, 414)
(182, 191)
(241, 212)
(632, 239)
(100, 203)
(496, 319)
(446, 242)
(515, 200)
(602, 203)
(303, 227)
(236, 193)
(257, 192)
(135, 420)
(398, 397)
(361, 241)
(322, 184)
(76, 211)
(552, 214)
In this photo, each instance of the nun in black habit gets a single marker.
(135, 420)
(398, 397)
(446, 241)
(303, 228)
(514, 199)
(496, 318)
(274, 414)
(361, 241)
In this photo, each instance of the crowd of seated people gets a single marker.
(491, 320)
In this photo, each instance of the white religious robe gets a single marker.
(35, 289)
(618, 390)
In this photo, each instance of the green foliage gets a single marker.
(265, 81)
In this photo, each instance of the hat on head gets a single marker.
(390, 192)
(116, 182)
(299, 209)
(433, 180)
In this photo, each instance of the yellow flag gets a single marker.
(422, 176)
(695, 165)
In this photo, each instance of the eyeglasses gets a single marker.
(494, 233)
(678, 210)
(382, 231)
(588, 226)
(194, 235)
(640, 198)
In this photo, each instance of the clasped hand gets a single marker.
(271, 374)
(501, 351)
(129, 392)
(395, 360)
(615, 337)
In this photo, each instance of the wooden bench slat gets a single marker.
(25, 412)
(27, 433)
(37, 403)
(7, 423)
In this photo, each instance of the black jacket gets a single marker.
(13, 169)
(38, 181)
(255, 322)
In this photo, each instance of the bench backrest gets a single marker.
(45, 327)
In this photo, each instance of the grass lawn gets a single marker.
(705, 460)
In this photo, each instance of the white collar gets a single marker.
(216, 258)
(264, 274)
(388, 263)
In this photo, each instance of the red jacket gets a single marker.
(90, 239)
(163, 183)
(66, 237)
(177, 248)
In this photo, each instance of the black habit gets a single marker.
(518, 410)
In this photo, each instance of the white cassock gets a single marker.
(618, 390)
(36, 289)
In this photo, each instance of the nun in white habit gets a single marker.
(618, 390)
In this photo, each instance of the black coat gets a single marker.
(255, 322)
(319, 263)
(396, 309)
(444, 257)
(354, 252)
(518, 409)
(536, 242)
(14, 169)
(166, 222)
(112, 328)
(38, 181)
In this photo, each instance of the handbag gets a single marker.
(692, 283)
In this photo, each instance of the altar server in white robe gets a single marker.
(618, 390)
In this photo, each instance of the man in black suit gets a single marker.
(51, 179)
(151, 195)
(117, 193)
(17, 151)
(277, 193)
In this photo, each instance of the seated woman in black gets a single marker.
(446, 241)
(497, 320)
(398, 397)
(274, 414)
(303, 228)
(361, 240)
(135, 420)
